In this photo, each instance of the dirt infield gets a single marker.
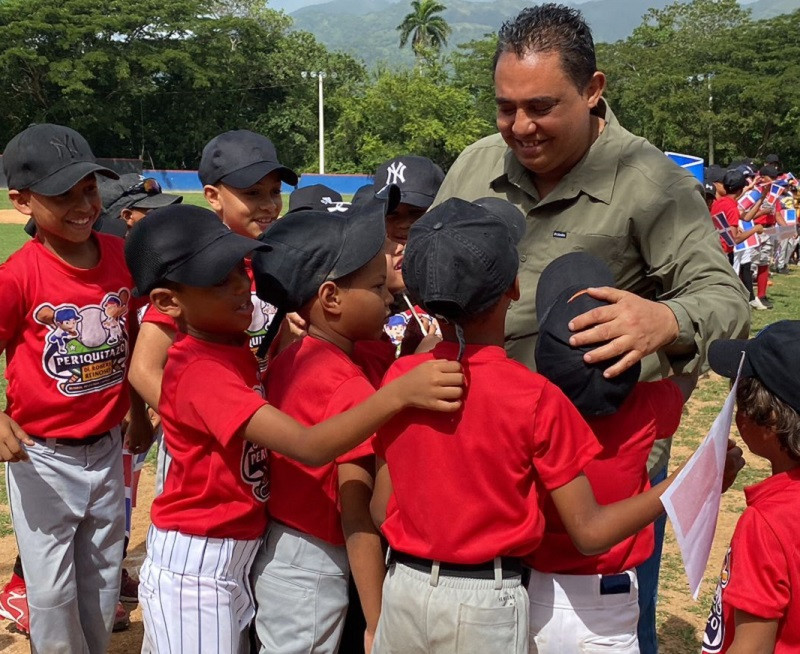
(12, 217)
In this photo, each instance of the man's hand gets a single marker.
(11, 439)
(139, 434)
(734, 462)
(630, 327)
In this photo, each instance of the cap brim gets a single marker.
(156, 201)
(574, 271)
(408, 197)
(724, 357)
(246, 177)
(214, 262)
(63, 180)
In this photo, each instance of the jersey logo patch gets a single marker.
(714, 635)
(263, 314)
(86, 348)
(255, 470)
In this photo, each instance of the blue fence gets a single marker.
(693, 164)
(187, 180)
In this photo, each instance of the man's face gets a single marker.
(543, 117)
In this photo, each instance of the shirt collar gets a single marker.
(593, 175)
(771, 485)
(448, 350)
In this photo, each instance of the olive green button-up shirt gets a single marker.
(628, 204)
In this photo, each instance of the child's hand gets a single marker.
(418, 340)
(734, 462)
(435, 385)
(369, 637)
(11, 439)
(139, 434)
(759, 229)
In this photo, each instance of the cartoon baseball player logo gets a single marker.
(395, 328)
(714, 635)
(263, 313)
(255, 464)
(85, 348)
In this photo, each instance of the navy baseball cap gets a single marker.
(772, 159)
(559, 299)
(309, 247)
(240, 158)
(318, 197)
(132, 191)
(733, 181)
(709, 190)
(770, 357)
(462, 256)
(769, 171)
(714, 173)
(185, 244)
(418, 179)
(49, 160)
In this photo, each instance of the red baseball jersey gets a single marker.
(652, 411)
(67, 340)
(218, 483)
(727, 205)
(761, 572)
(768, 220)
(311, 381)
(374, 358)
(153, 315)
(467, 486)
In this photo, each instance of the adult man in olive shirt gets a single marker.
(585, 183)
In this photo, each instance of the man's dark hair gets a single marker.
(551, 28)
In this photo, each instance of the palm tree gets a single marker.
(426, 29)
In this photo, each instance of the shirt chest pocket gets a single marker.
(545, 245)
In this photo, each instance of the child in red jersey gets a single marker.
(65, 296)
(757, 606)
(207, 524)
(579, 600)
(461, 495)
(332, 270)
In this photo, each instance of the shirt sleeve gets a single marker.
(563, 442)
(153, 315)
(351, 393)
(215, 399)
(759, 576)
(12, 300)
(681, 249)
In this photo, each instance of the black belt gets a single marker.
(619, 584)
(75, 442)
(511, 567)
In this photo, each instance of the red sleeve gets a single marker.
(665, 403)
(759, 577)
(354, 391)
(12, 299)
(153, 315)
(215, 399)
(732, 214)
(374, 358)
(563, 442)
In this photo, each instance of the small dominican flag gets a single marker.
(750, 242)
(749, 199)
(723, 229)
(790, 216)
(775, 191)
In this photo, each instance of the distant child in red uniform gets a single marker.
(757, 604)
(579, 600)
(331, 269)
(208, 522)
(66, 331)
(461, 495)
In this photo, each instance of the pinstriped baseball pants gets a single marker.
(195, 593)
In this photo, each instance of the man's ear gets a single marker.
(167, 302)
(212, 195)
(21, 201)
(513, 290)
(127, 215)
(595, 88)
(329, 296)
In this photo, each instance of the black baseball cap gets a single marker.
(714, 174)
(185, 244)
(132, 191)
(771, 357)
(733, 181)
(709, 190)
(462, 256)
(240, 158)
(772, 159)
(309, 247)
(769, 171)
(318, 197)
(418, 179)
(49, 159)
(559, 299)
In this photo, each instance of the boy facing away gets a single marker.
(756, 607)
(65, 296)
(331, 269)
(208, 522)
(461, 495)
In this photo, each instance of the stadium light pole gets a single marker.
(320, 75)
(707, 77)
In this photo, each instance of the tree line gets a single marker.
(157, 79)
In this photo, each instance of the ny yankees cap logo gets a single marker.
(65, 146)
(396, 173)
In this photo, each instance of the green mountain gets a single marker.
(367, 28)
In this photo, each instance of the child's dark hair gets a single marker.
(764, 408)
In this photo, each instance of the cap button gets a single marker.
(523, 257)
(438, 226)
